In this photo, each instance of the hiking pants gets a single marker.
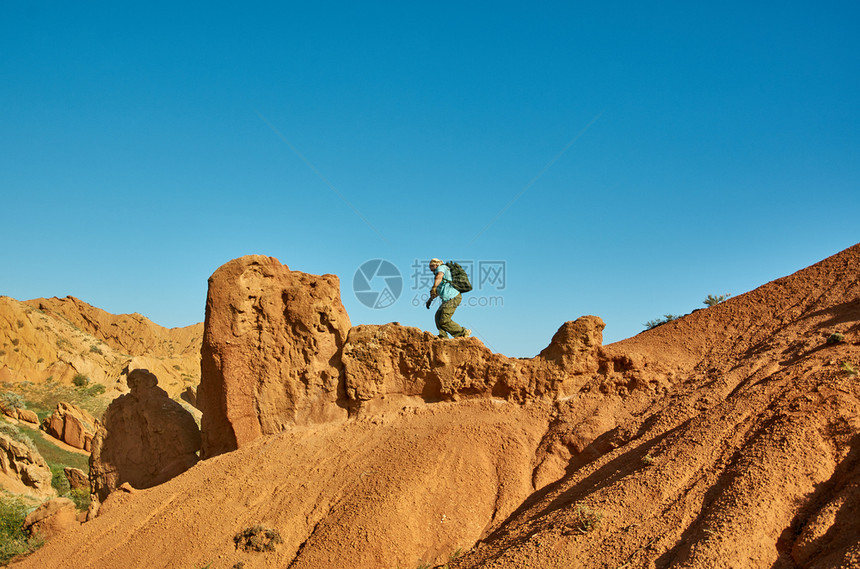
(443, 318)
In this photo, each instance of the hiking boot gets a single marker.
(466, 333)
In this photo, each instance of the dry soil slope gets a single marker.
(384, 492)
(753, 461)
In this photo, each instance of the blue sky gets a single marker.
(622, 159)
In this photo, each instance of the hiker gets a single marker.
(451, 298)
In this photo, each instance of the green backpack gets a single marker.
(459, 278)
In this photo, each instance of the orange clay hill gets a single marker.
(727, 438)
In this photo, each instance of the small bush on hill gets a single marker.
(666, 318)
(13, 540)
(16, 435)
(586, 519)
(81, 380)
(712, 300)
(11, 400)
(835, 338)
(257, 538)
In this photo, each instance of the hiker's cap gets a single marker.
(436, 261)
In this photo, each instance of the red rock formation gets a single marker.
(72, 425)
(51, 518)
(146, 439)
(23, 468)
(28, 416)
(271, 352)
(390, 362)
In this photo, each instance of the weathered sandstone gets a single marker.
(24, 469)
(78, 479)
(271, 352)
(72, 425)
(391, 362)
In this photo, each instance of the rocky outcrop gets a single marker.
(146, 439)
(24, 468)
(51, 518)
(72, 425)
(271, 352)
(278, 351)
(391, 362)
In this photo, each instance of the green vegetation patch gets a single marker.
(13, 540)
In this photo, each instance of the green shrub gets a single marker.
(848, 368)
(81, 498)
(666, 318)
(712, 300)
(59, 482)
(835, 338)
(81, 380)
(13, 540)
(96, 350)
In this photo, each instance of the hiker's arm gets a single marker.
(435, 284)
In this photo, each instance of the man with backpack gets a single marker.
(443, 287)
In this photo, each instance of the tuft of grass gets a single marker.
(586, 519)
(648, 460)
(848, 368)
(96, 350)
(712, 300)
(257, 538)
(835, 338)
(666, 318)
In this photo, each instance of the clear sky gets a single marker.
(622, 159)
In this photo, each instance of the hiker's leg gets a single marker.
(442, 333)
(444, 315)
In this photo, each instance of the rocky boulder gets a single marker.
(51, 518)
(28, 416)
(78, 479)
(24, 468)
(72, 425)
(146, 439)
(271, 352)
